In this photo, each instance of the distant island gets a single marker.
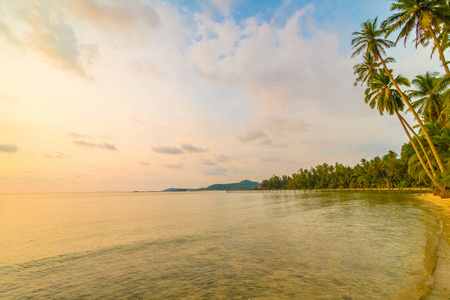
(243, 185)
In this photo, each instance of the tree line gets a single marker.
(389, 171)
(425, 159)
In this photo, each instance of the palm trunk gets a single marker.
(427, 136)
(421, 145)
(441, 53)
(418, 154)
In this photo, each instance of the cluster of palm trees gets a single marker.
(389, 171)
(428, 98)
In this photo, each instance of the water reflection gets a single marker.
(310, 245)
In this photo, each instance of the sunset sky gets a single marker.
(150, 94)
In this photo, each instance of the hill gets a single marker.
(243, 185)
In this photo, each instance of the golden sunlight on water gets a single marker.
(215, 245)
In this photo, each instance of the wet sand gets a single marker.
(441, 274)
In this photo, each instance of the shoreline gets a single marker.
(441, 272)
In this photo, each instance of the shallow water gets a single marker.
(216, 245)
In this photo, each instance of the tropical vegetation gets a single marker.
(425, 159)
(389, 171)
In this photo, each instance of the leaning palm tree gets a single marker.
(444, 118)
(384, 96)
(367, 68)
(428, 91)
(424, 17)
(370, 40)
(443, 41)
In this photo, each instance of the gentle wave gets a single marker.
(222, 246)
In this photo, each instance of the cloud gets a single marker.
(223, 6)
(252, 135)
(265, 141)
(261, 138)
(8, 148)
(56, 155)
(6, 32)
(116, 15)
(52, 36)
(144, 163)
(173, 166)
(175, 150)
(78, 136)
(273, 122)
(217, 171)
(280, 146)
(192, 149)
(80, 175)
(167, 150)
(269, 159)
(222, 158)
(54, 27)
(105, 146)
(298, 58)
(207, 162)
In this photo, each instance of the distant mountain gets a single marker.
(243, 185)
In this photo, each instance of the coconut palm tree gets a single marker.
(394, 169)
(424, 17)
(430, 102)
(444, 118)
(443, 41)
(382, 95)
(445, 115)
(418, 156)
(419, 140)
(369, 40)
(367, 68)
(441, 137)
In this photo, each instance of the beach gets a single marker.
(441, 274)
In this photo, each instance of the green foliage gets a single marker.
(243, 185)
(429, 93)
(388, 171)
(421, 17)
(382, 94)
(428, 159)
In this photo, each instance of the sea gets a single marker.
(217, 245)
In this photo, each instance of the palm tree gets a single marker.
(394, 168)
(444, 118)
(425, 168)
(429, 91)
(382, 95)
(367, 68)
(419, 140)
(424, 17)
(443, 41)
(369, 40)
(445, 115)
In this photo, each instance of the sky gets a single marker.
(118, 95)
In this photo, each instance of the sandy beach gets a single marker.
(441, 273)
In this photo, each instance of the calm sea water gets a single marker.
(216, 245)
